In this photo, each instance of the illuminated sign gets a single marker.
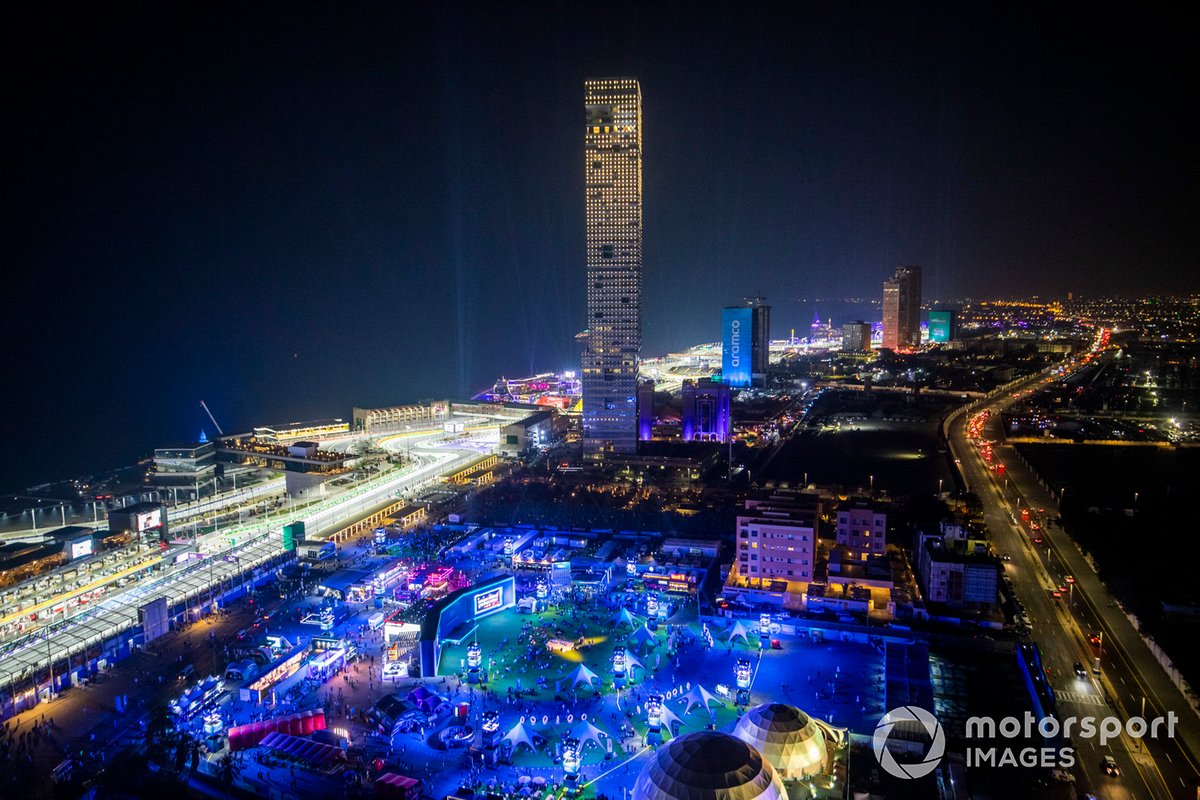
(736, 339)
(80, 549)
(151, 519)
(941, 326)
(486, 601)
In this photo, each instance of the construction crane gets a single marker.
(214, 419)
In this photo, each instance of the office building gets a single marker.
(862, 529)
(956, 569)
(185, 465)
(645, 409)
(745, 343)
(856, 337)
(943, 326)
(736, 325)
(777, 537)
(535, 432)
(760, 337)
(706, 413)
(902, 309)
(613, 206)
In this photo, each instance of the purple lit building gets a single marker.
(645, 409)
(707, 415)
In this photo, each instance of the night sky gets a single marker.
(287, 210)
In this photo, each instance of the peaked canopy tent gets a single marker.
(586, 732)
(670, 718)
(641, 637)
(699, 696)
(624, 617)
(581, 674)
(520, 734)
(739, 630)
(632, 661)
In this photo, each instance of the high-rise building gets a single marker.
(902, 309)
(777, 537)
(943, 326)
(862, 529)
(706, 411)
(745, 342)
(856, 337)
(736, 326)
(613, 205)
(645, 410)
(760, 335)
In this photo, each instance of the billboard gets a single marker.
(154, 619)
(737, 336)
(486, 601)
(941, 326)
(149, 520)
(80, 549)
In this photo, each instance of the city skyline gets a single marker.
(215, 202)
(359, 443)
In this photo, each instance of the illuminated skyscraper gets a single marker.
(902, 309)
(613, 204)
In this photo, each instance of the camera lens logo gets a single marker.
(931, 726)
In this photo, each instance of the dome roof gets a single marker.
(787, 737)
(708, 766)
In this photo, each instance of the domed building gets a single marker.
(708, 765)
(788, 738)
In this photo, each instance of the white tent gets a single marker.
(521, 734)
(624, 618)
(586, 732)
(669, 717)
(699, 696)
(642, 636)
(737, 630)
(632, 661)
(581, 674)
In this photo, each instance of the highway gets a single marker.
(254, 544)
(1163, 768)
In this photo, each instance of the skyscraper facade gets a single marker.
(902, 309)
(761, 336)
(705, 412)
(856, 337)
(746, 342)
(613, 205)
